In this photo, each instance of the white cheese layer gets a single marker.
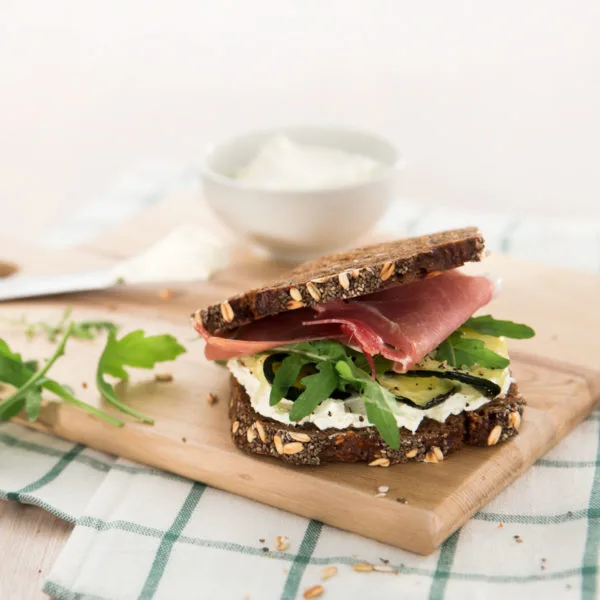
(341, 414)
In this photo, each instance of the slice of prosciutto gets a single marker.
(403, 323)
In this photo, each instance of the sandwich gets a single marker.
(369, 355)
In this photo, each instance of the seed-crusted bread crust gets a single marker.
(494, 422)
(348, 275)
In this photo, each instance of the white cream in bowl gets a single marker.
(282, 164)
(298, 193)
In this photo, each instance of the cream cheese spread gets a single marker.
(341, 414)
(282, 164)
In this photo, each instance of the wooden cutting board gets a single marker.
(557, 372)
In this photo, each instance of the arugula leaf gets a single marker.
(8, 411)
(459, 351)
(487, 325)
(319, 387)
(133, 350)
(378, 402)
(30, 387)
(318, 350)
(33, 403)
(285, 377)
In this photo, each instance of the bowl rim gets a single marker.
(386, 173)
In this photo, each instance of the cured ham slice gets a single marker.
(403, 323)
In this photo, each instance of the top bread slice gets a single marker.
(349, 274)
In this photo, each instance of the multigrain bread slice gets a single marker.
(494, 422)
(348, 275)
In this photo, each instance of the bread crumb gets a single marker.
(212, 399)
(402, 500)
(500, 525)
(184, 440)
(84, 385)
(518, 539)
(163, 377)
(165, 294)
(282, 543)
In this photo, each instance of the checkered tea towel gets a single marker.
(143, 533)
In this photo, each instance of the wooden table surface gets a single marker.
(31, 541)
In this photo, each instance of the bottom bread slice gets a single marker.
(494, 422)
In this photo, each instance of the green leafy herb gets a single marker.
(338, 367)
(318, 387)
(459, 351)
(285, 377)
(487, 325)
(133, 350)
(378, 402)
(81, 330)
(19, 374)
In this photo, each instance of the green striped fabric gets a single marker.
(143, 533)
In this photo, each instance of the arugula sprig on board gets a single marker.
(81, 330)
(134, 349)
(337, 367)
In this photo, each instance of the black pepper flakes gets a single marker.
(265, 549)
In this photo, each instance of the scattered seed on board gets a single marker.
(380, 462)
(282, 542)
(293, 448)
(384, 569)
(314, 592)
(329, 572)
(494, 435)
(382, 491)
(163, 377)
(165, 294)
(227, 312)
(211, 399)
(362, 567)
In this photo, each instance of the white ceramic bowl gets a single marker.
(295, 225)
